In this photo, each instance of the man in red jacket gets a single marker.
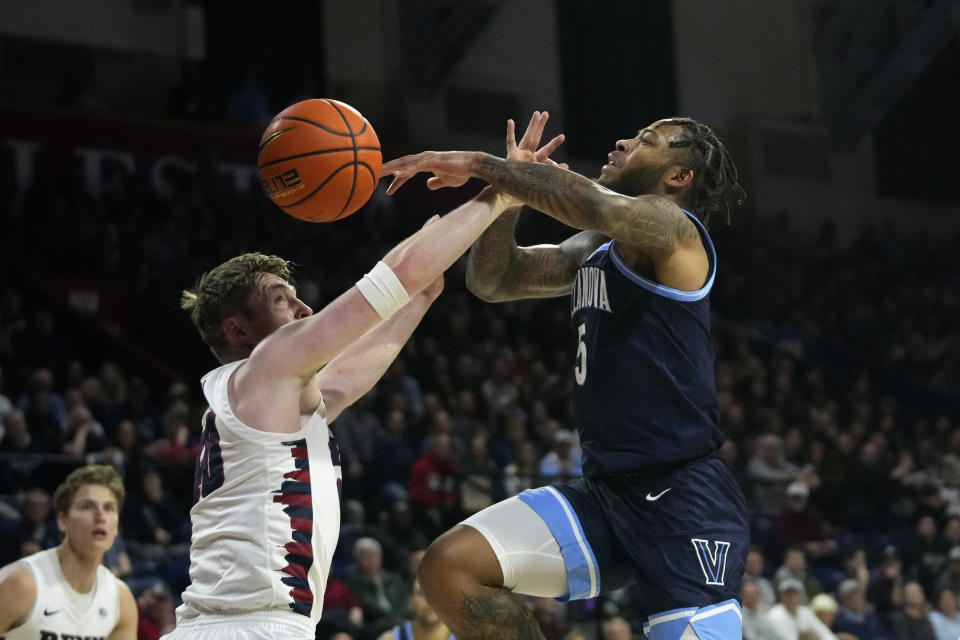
(433, 482)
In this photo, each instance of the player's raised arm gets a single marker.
(500, 270)
(301, 348)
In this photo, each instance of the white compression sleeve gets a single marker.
(383, 290)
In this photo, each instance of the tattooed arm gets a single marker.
(648, 228)
(499, 270)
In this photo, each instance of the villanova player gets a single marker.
(655, 508)
(267, 515)
(66, 592)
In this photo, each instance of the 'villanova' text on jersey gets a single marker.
(645, 397)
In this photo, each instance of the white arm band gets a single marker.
(383, 290)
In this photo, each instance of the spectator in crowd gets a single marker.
(395, 453)
(481, 483)
(912, 621)
(886, 583)
(562, 462)
(433, 483)
(616, 628)
(753, 573)
(770, 472)
(927, 556)
(425, 625)
(855, 616)
(791, 618)
(400, 532)
(524, 472)
(156, 616)
(341, 608)
(157, 521)
(798, 525)
(795, 566)
(855, 566)
(17, 470)
(756, 626)
(949, 577)
(38, 527)
(84, 435)
(825, 608)
(382, 594)
(946, 617)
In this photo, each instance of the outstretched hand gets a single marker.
(454, 168)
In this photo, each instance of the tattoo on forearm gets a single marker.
(492, 253)
(562, 194)
(655, 223)
(499, 616)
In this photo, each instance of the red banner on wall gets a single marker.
(102, 145)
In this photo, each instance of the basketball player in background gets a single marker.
(267, 514)
(66, 592)
(655, 508)
(426, 624)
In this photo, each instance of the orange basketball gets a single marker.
(319, 160)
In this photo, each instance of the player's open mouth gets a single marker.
(99, 533)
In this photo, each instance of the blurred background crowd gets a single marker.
(838, 356)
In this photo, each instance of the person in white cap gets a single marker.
(791, 618)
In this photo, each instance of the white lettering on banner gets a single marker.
(100, 167)
(24, 152)
(243, 175)
(158, 178)
(93, 161)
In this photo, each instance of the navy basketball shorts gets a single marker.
(682, 538)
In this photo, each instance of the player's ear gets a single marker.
(62, 522)
(234, 330)
(679, 177)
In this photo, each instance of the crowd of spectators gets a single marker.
(837, 373)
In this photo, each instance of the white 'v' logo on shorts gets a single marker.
(713, 562)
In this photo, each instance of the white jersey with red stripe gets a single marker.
(266, 514)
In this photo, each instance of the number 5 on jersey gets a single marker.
(580, 371)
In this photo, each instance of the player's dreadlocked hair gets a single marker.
(715, 175)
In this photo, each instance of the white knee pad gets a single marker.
(529, 556)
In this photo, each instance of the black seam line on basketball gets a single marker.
(353, 139)
(320, 126)
(322, 185)
(272, 136)
(372, 175)
(314, 153)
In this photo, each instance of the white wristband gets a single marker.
(383, 290)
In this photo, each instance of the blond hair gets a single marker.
(224, 291)
(103, 475)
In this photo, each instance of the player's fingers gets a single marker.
(511, 136)
(545, 151)
(398, 181)
(435, 183)
(531, 136)
(536, 129)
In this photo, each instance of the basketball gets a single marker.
(319, 160)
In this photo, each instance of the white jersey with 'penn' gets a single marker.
(266, 514)
(60, 612)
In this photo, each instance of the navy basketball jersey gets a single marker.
(645, 394)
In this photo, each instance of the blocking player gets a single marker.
(267, 513)
(67, 592)
(655, 508)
